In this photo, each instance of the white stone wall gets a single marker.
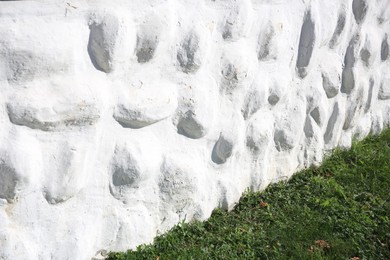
(118, 119)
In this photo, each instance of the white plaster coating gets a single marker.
(118, 119)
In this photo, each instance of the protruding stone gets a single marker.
(329, 133)
(384, 49)
(125, 172)
(235, 23)
(339, 29)
(146, 46)
(65, 170)
(365, 55)
(102, 40)
(275, 94)
(177, 187)
(51, 119)
(8, 181)
(352, 109)
(148, 37)
(308, 128)
(196, 108)
(190, 126)
(22, 66)
(317, 116)
(283, 141)
(265, 49)
(222, 150)
(306, 44)
(259, 133)
(125, 175)
(369, 98)
(330, 84)
(289, 124)
(237, 70)
(27, 65)
(230, 76)
(359, 9)
(369, 50)
(315, 107)
(146, 105)
(132, 118)
(384, 89)
(348, 77)
(135, 161)
(253, 101)
(188, 54)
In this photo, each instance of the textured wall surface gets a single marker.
(118, 119)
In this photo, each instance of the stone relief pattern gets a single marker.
(118, 120)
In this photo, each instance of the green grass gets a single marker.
(339, 210)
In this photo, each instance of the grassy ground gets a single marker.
(340, 210)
